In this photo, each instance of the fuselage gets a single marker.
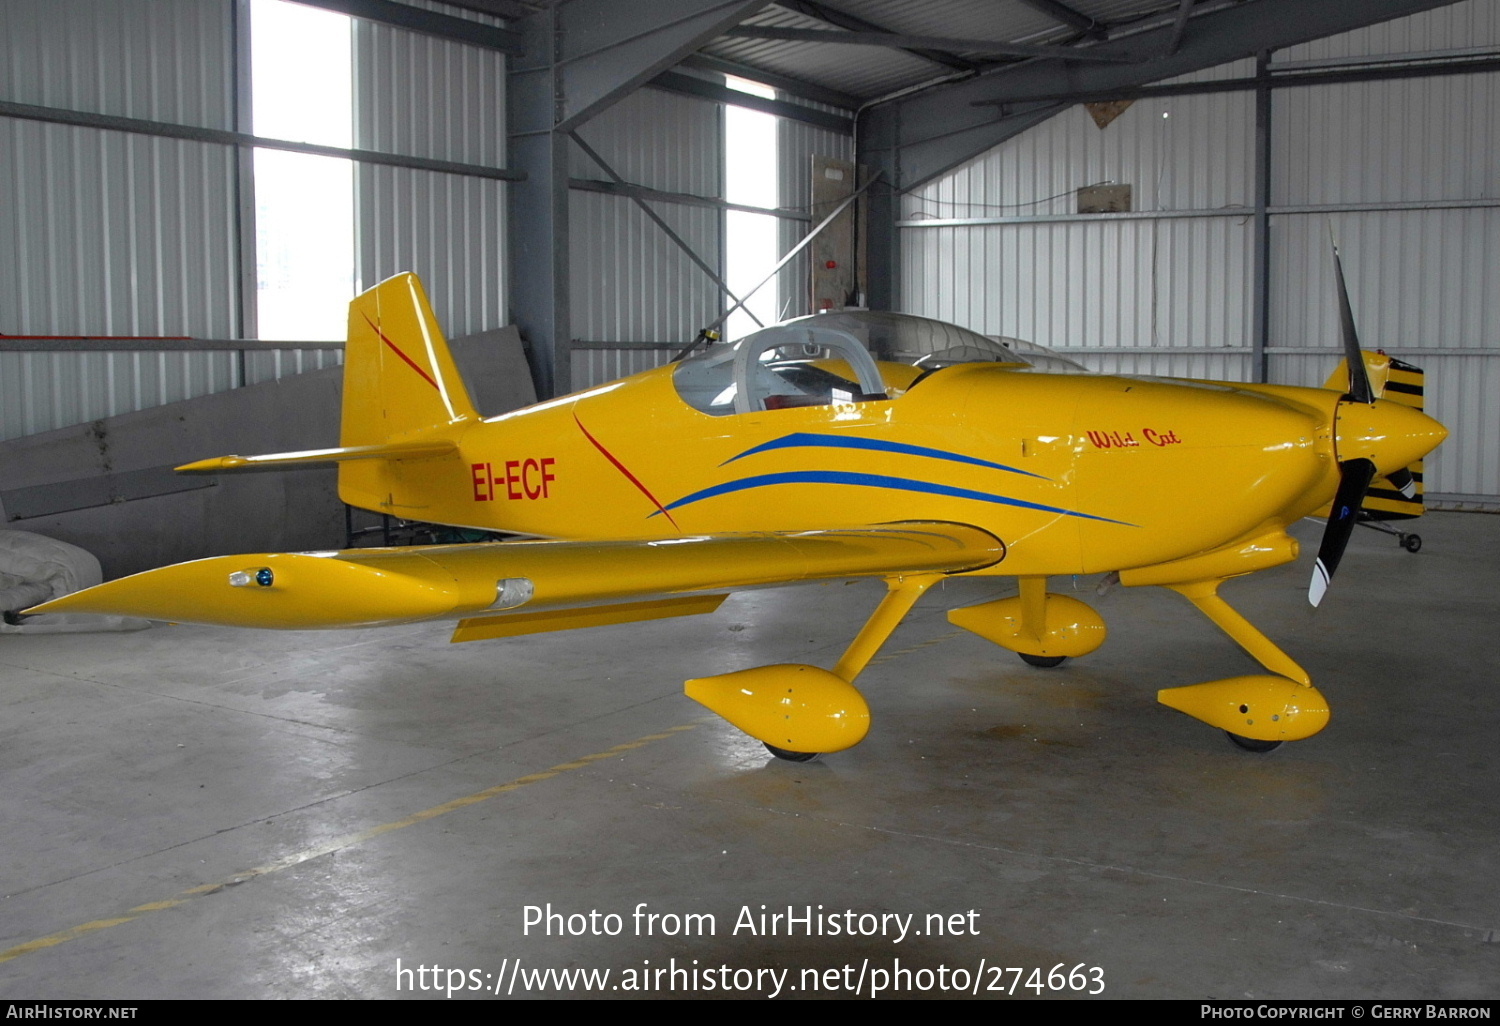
(1074, 473)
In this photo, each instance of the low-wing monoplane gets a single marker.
(833, 446)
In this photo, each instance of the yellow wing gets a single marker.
(506, 588)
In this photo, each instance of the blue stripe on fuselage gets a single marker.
(842, 477)
(803, 439)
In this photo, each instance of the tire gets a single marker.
(1412, 543)
(790, 756)
(1251, 744)
(1043, 662)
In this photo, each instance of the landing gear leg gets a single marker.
(901, 594)
(1205, 595)
(799, 711)
(1410, 542)
(1257, 712)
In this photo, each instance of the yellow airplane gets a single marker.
(795, 454)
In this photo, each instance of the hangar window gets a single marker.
(750, 178)
(302, 84)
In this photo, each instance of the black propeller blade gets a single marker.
(1359, 379)
(1354, 480)
(1404, 482)
(1354, 475)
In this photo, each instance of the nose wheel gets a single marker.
(791, 756)
(1410, 542)
(1251, 744)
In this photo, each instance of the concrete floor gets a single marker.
(194, 812)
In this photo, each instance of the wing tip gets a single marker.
(211, 466)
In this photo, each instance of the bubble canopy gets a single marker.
(832, 358)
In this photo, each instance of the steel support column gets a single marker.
(579, 59)
(537, 208)
(1260, 337)
(247, 276)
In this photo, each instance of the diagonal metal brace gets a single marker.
(790, 255)
(660, 223)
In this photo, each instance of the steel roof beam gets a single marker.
(918, 137)
(604, 50)
(1090, 27)
(1278, 80)
(904, 42)
(929, 133)
(797, 87)
(844, 20)
(507, 9)
(688, 85)
(430, 23)
(1179, 25)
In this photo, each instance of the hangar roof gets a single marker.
(922, 42)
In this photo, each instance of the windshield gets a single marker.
(781, 367)
(830, 358)
(924, 342)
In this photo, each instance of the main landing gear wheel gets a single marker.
(1251, 744)
(1044, 662)
(790, 756)
(1411, 542)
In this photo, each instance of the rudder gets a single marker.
(400, 380)
(400, 386)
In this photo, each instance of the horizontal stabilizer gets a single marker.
(372, 587)
(277, 460)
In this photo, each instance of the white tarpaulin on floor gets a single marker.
(34, 569)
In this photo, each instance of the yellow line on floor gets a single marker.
(348, 840)
(913, 648)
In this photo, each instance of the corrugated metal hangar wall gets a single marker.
(122, 232)
(131, 233)
(125, 233)
(113, 233)
(1406, 174)
(637, 297)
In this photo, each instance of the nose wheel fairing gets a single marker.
(1282, 706)
(1262, 707)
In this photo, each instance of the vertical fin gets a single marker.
(399, 377)
(400, 385)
